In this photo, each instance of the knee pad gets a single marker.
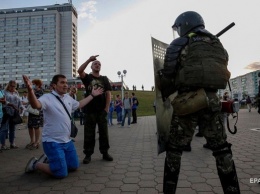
(224, 161)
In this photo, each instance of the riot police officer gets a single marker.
(195, 65)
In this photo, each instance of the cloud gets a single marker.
(87, 11)
(253, 66)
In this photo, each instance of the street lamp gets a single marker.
(122, 84)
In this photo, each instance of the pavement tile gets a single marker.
(131, 180)
(137, 168)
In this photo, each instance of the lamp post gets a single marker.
(121, 75)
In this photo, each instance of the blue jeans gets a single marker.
(11, 132)
(3, 132)
(128, 113)
(119, 116)
(110, 117)
(62, 157)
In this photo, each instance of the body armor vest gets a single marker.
(203, 64)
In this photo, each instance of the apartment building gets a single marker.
(39, 42)
(243, 85)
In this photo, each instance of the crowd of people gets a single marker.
(49, 124)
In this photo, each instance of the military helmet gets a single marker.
(187, 21)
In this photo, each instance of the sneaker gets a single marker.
(107, 157)
(13, 146)
(30, 167)
(128, 126)
(43, 159)
(5, 148)
(87, 159)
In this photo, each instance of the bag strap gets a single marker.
(63, 105)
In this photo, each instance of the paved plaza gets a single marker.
(136, 167)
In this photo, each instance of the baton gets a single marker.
(225, 29)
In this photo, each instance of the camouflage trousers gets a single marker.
(212, 127)
(91, 120)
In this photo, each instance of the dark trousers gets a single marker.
(134, 115)
(91, 120)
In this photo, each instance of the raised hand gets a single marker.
(27, 82)
(93, 58)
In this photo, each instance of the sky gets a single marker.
(120, 32)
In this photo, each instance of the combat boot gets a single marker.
(226, 169)
(107, 157)
(187, 148)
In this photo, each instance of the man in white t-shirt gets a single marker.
(57, 144)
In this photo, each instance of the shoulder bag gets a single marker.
(74, 129)
(16, 119)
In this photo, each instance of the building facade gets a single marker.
(38, 42)
(244, 85)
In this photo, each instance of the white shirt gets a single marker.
(24, 99)
(57, 124)
(127, 103)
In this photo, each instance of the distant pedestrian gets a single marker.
(134, 108)
(127, 108)
(118, 108)
(226, 97)
(154, 106)
(12, 99)
(110, 112)
(249, 103)
(35, 122)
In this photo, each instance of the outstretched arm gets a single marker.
(84, 65)
(94, 93)
(35, 103)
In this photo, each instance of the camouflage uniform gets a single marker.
(181, 132)
(183, 125)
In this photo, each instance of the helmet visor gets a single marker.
(175, 34)
(176, 29)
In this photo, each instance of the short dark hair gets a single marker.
(55, 78)
(133, 93)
